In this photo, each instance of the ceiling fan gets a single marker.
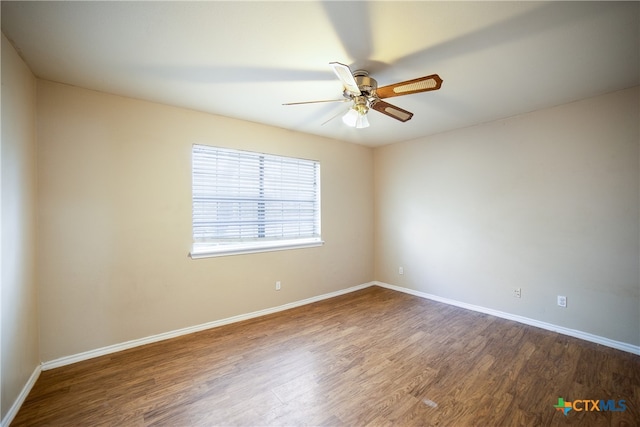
(364, 93)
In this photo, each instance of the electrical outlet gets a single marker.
(517, 293)
(562, 301)
(401, 270)
(278, 285)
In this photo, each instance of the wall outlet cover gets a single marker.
(562, 301)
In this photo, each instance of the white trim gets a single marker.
(253, 248)
(630, 348)
(67, 360)
(17, 404)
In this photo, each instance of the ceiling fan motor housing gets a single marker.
(366, 84)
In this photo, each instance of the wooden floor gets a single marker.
(373, 357)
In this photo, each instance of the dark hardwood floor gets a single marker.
(373, 357)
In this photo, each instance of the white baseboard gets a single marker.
(67, 360)
(630, 348)
(13, 411)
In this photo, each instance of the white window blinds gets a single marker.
(246, 202)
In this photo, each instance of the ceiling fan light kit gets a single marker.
(364, 94)
(356, 117)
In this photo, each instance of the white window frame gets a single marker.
(232, 190)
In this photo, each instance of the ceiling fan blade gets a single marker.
(422, 84)
(352, 24)
(346, 77)
(392, 111)
(318, 102)
(339, 113)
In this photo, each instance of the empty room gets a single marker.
(287, 213)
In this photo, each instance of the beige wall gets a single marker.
(115, 221)
(547, 202)
(19, 348)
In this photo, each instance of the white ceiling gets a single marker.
(244, 59)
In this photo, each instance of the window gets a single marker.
(246, 202)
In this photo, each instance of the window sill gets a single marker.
(252, 248)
